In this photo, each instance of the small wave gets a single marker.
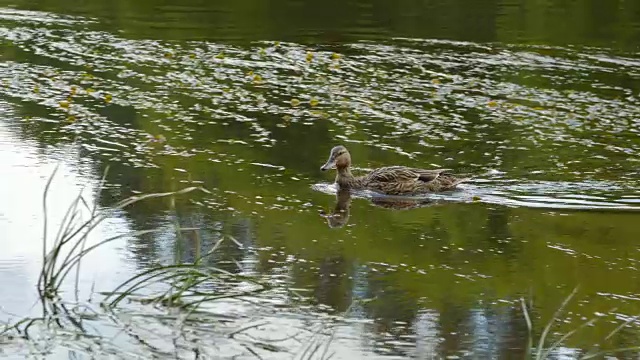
(521, 195)
(587, 195)
(25, 16)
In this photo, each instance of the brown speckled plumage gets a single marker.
(391, 180)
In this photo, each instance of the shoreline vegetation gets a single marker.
(174, 296)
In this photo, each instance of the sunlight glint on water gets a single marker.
(23, 167)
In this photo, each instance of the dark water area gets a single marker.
(538, 101)
(613, 25)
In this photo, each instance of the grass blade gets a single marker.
(550, 323)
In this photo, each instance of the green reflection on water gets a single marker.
(583, 22)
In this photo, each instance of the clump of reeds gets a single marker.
(184, 282)
(544, 351)
(70, 243)
(183, 285)
(63, 254)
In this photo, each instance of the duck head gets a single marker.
(339, 158)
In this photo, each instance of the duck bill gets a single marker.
(331, 164)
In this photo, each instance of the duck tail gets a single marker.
(459, 181)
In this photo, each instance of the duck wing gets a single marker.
(430, 175)
(400, 174)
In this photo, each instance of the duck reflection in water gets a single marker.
(340, 214)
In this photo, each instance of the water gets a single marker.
(539, 102)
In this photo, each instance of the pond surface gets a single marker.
(539, 102)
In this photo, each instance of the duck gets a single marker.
(390, 180)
